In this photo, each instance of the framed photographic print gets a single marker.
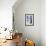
(29, 19)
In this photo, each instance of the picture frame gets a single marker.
(29, 19)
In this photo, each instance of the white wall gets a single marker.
(30, 32)
(43, 22)
(6, 13)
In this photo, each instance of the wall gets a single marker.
(6, 13)
(43, 22)
(29, 32)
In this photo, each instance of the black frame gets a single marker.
(32, 19)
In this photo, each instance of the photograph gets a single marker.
(29, 19)
(22, 22)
